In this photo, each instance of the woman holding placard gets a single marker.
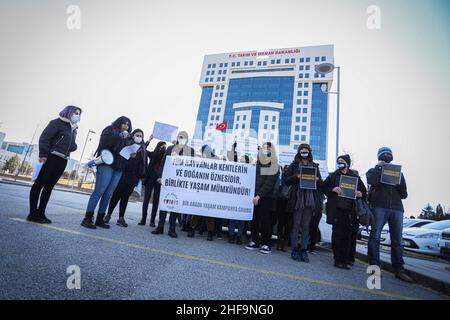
(342, 187)
(304, 176)
(134, 170)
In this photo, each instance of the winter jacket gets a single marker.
(111, 140)
(334, 201)
(383, 195)
(134, 168)
(266, 184)
(59, 136)
(292, 180)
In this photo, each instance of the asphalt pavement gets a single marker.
(131, 263)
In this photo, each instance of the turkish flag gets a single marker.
(222, 126)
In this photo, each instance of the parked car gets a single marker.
(444, 244)
(385, 237)
(425, 239)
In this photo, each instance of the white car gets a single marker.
(385, 237)
(425, 239)
(325, 230)
(444, 244)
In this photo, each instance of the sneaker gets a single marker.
(99, 222)
(45, 219)
(121, 222)
(252, 246)
(239, 241)
(404, 277)
(265, 249)
(172, 234)
(158, 231)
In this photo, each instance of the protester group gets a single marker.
(279, 199)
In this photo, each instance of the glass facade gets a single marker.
(319, 121)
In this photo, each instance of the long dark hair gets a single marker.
(158, 153)
(121, 120)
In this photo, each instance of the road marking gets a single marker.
(221, 263)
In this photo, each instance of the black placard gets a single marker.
(391, 174)
(308, 178)
(349, 186)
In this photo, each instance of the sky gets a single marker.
(143, 59)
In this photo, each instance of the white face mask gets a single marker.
(137, 140)
(182, 141)
(75, 118)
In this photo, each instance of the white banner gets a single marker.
(164, 132)
(208, 187)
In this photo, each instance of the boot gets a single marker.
(294, 254)
(88, 221)
(99, 221)
(304, 256)
(172, 234)
(158, 231)
(35, 218)
(121, 222)
(152, 224)
(279, 245)
(107, 218)
(143, 220)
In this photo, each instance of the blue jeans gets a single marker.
(172, 220)
(106, 182)
(395, 220)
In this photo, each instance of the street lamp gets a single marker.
(82, 153)
(325, 68)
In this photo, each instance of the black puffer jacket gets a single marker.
(292, 180)
(58, 136)
(333, 199)
(383, 195)
(134, 169)
(111, 140)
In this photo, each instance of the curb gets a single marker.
(419, 278)
(26, 184)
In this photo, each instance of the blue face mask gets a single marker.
(267, 154)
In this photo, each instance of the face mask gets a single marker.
(341, 166)
(386, 158)
(137, 140)
(267, 154)
(182, 141)
(75, 118)
(304, 155)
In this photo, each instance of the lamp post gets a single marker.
(82, 153)
(26, 154)
(325, 68)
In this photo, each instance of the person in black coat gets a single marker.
(267, 172)
(302, 202)
(113, 138)
(151, 184)
(134, 170)
(284, 217)
(182, 149)
(341, 211)
(56, 143)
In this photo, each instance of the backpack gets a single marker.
(364, 213)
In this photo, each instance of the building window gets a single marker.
(299, 101)
(300, 84)
(251, 63)
(302, 60)
(265, 126)
(308, 59)
(323, 59)
(299, 93)
(220, 102)
(220, 72)
(300, 75)
(217, 117)
(212, 72)
(273, 127)
(303, 138)
(232, 64)
(296, 137)
(297, 128)
(292, 60)
(221, 94)
(317, 59)
(322, 76)
(298, 110)
(206, 79)
(211, 79)
(307, 75)
(307, 67)
(259, 63)
(286, 61)
(216, 94)
(219, 109)
(222, 87)
(303, 128)
(306, 85)
(305, 101)
(224, 71)
(278, 61)
(207, 73)
(238, 64)
(221, 65)
(305, 93)
(316, 75)
(212, 118)
(209, 65)
(274, 118)
(214, 65)
(237, 126)
(303, 119)
(246, 63)
(305, 110)
(264, 63)
(213, 109)
(244, 117)
(237, 118)
(297, 119)
(215, 101)
(272, 61)
(302, 67)
(218, 78)
(243, 126)
(266, 118)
